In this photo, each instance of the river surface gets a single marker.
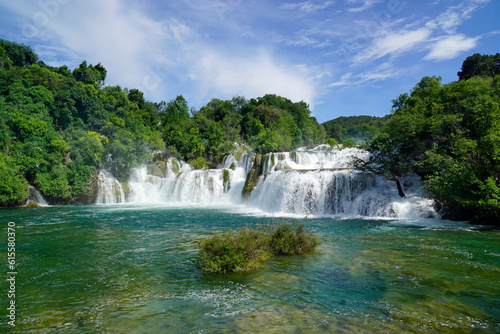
(132, 269)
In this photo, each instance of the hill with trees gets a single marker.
(354, 129)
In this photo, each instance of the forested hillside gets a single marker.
(58, 127)
(354, 129)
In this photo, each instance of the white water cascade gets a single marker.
(110, 190)
(35, 196)
(301, 183)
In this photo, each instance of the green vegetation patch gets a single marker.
(290, 239)
(245, 249)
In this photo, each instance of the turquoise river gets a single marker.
(132, 269)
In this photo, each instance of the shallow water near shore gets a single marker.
(132, 269)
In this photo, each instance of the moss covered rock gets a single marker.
(253, 176)
(155, 170)
(226, 179)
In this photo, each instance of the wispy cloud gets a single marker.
(308, 6)
(362, 5)
(394, 43)
(305, 38)
(437, 35)
(450, 47)
(455, 16)
(380, 73)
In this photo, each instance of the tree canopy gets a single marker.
(480, 65)
(354, 128)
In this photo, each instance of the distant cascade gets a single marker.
(35, 196)
(110, 190)
(314, 182)
(312, 159)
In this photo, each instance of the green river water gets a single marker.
(132, 269)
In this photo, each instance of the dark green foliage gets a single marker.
(90, 75)
(13, 187)
(19, 55)
(289, 239)
(239, 251)
(269, 124)
(226, 179)
(57, 128)
(354, 128)
(245, 249)
(480, 65)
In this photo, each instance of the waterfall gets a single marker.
(336, 193)
(314, 182)
(110, 190)
(313, 159)
(35, 196)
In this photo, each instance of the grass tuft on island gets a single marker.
(245, 249)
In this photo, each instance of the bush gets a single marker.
(348, 144)
(332, 142)
(291, 239)
(197, 163)
(245, 249)
(238, 251)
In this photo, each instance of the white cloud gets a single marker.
(380, 73)
(455, 16)
(252, 76)
(345, 80)
(308, 6)
(305, 38)
(393, 44)
(450, 47)
(362, 5)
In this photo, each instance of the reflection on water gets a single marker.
(94, 269)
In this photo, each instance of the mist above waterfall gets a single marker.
(301, 183)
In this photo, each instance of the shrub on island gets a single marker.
(245, 249)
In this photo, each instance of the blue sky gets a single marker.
(344, 58)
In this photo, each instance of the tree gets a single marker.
(20, 55)
(91, 75)
(480, 65)
(385, 159)
(176, 111)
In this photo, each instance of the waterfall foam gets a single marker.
(301, 183)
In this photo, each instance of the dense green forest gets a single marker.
(354, 129)
(58, 127)
(450, 135)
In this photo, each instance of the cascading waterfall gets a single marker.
(303, 183)
(178, 182)
(35, 196)
(110, 190)
(311, 160)
(337, 192)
